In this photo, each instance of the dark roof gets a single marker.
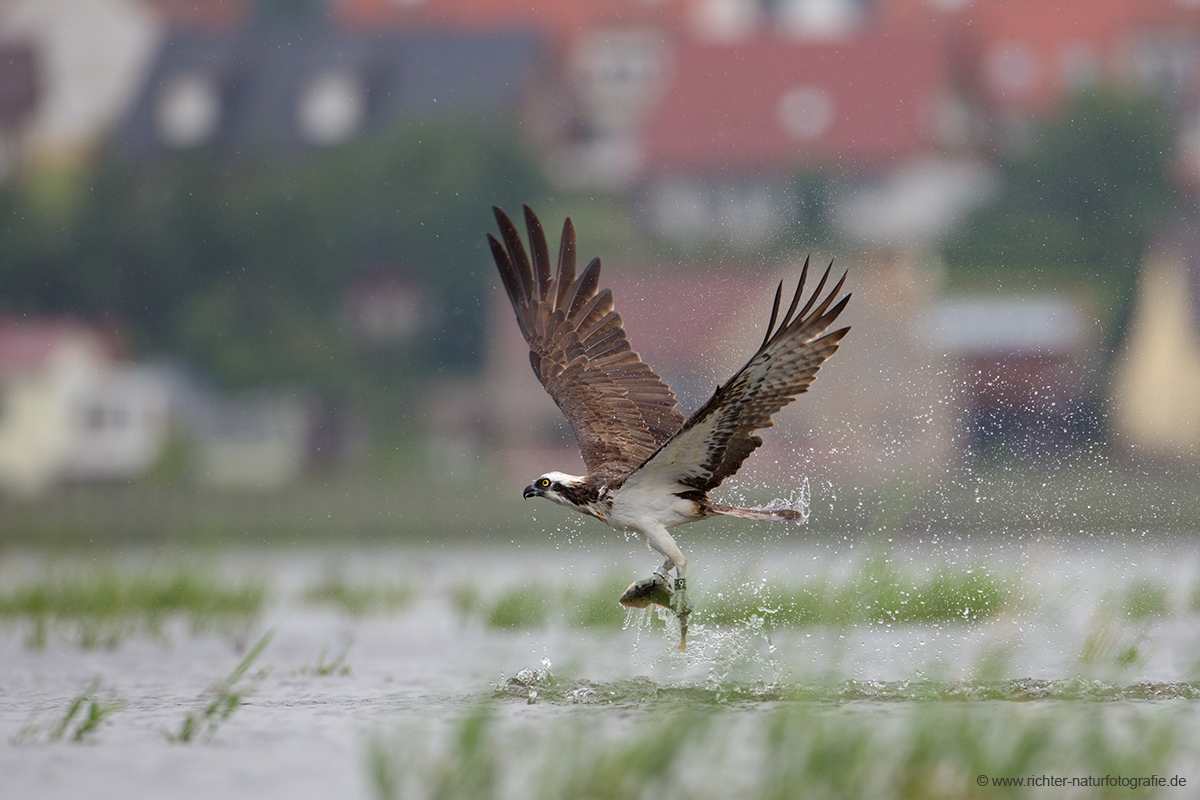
(260, 75)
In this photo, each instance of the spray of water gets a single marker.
(799, 500)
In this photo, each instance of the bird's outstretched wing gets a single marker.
(717, 439)
(618, 408)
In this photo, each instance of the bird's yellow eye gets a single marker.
(544, 483)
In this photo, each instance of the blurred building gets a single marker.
(739, 122)
(19, 90)
(1155, 394)
(384, 308)
(87, 57)
(69, 410)
(1023, 369)
(1020, 58)
(253, 442)
(274, 88)
(729, 120)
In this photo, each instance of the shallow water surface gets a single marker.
(337, 701)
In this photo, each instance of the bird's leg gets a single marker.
(663, 542)
(681, 606)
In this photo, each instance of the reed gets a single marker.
(221, 700)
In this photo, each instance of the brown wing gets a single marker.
(619, 410)
(715, 441)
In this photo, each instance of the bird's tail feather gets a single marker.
(766, 513)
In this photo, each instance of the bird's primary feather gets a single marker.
(619, 410)
(622, 413)
(714, 442)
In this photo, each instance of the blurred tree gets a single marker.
(241, 265)
(1077, 205)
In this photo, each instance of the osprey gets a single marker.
(648, 468)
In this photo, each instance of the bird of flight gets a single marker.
(648, 468)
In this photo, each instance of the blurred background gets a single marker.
(245, 292)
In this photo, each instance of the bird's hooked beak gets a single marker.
(531, 491)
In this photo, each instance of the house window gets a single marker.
(97, 418)
(1079, 66)
(805, 112)
(1011, 67)
(725, 20)
(818, 19)
(188, 110)
(332, 107)
(1164, 61)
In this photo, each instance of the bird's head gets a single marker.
(556, 486)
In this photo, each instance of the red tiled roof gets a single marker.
(1056, 33)
(28, 343)
(567, 18)
(772, 103)
(1023, 52)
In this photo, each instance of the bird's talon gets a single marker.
(680, 605)
(683, 610)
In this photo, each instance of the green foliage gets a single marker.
(359, 599)
(596, 606)
(86, 712)
(642, 765)
(468, 769)
(876, 593)
(103, 605)
(902, 751)
(224, 698)
(524, 606)
(1146, 599)
(1077, 204)
(241, 265)
(324, 668)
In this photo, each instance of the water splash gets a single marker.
(738, 650)
(528, 683)
(800, 501)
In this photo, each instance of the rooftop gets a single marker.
(773, 103)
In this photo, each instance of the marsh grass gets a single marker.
(403, 764)
(923, 750)
(86, 712)
(875, 593)
(222, 699)
(323, 668)
(596, 606)
(525, 606)
(467, 601)
(102, 606)
(360, 599)
(1145, 599)
(1122, 623)
(84, 715)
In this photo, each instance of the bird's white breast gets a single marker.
(636, 508)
